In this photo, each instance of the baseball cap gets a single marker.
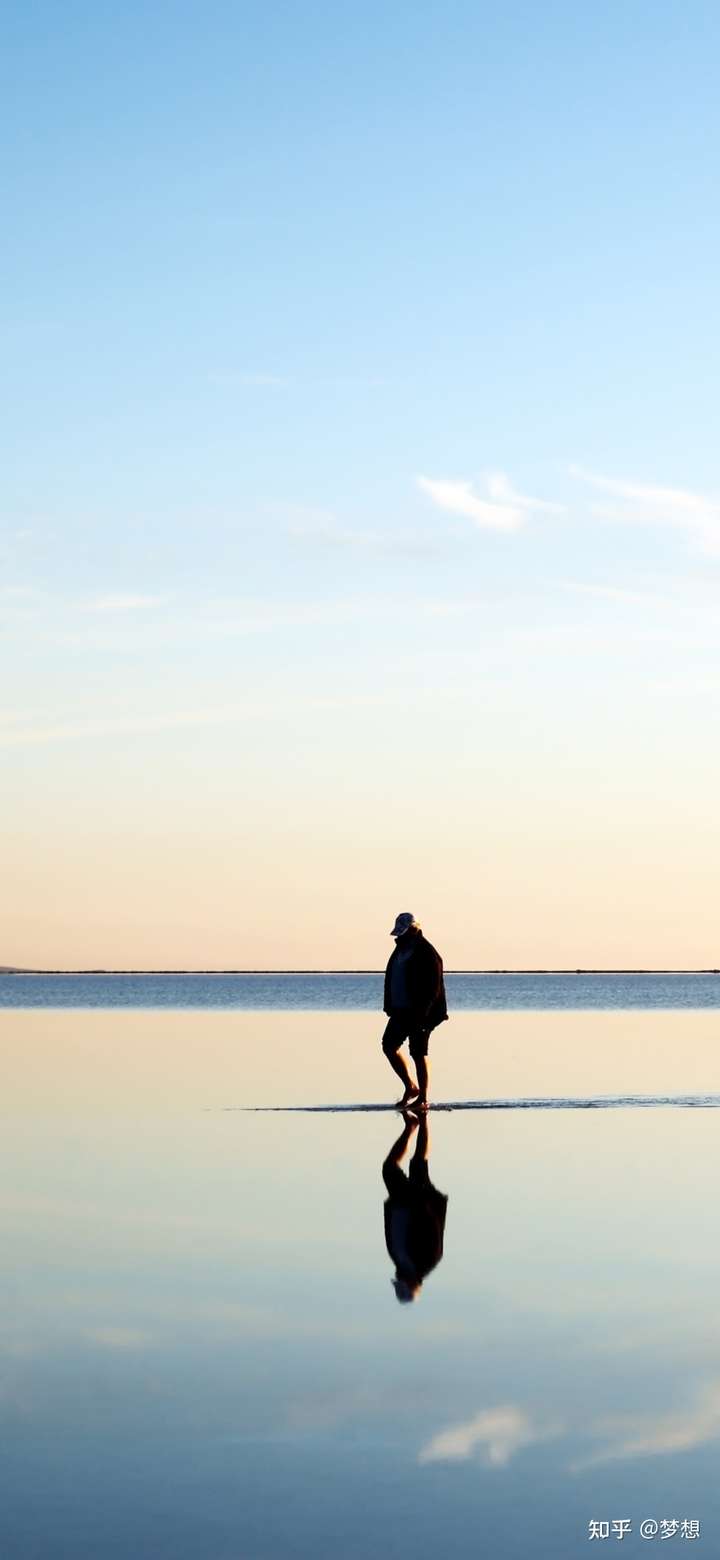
(404, 1292)
(403, 922)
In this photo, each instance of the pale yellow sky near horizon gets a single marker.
(156, 861)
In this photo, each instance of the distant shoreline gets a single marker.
(16, 970)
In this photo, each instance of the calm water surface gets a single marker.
(203, 1354)
(360, 992)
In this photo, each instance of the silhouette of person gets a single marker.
(414, 1000)
(414, 1211)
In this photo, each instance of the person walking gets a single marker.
(414, 1001)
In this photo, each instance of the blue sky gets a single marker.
(359, 443)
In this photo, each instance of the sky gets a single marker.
(360, 520)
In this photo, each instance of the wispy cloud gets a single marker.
(654, 1436)
(495, 1435)
(503, 509)
(649, 504)
(458, 498)
(500, 488)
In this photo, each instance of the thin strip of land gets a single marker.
(12, 969)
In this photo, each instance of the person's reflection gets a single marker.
(414, 1211)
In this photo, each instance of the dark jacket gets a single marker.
(424, 1228)
(426, 988)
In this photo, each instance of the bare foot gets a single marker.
(420, 1104)
(407, 1097)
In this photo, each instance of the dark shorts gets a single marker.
(406, 1189)
(400, 1028)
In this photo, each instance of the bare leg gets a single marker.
(423, 1072)
(399, 1065)
(400, 1148)
(422, 1147)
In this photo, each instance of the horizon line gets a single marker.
(10, 969)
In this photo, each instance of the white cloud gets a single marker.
(500, 488)
(459, 499)
(696, 513)
(502, 510)
(648, 1436)
(496, 1435)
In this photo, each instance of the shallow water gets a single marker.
(338, 992)
(203, 1355)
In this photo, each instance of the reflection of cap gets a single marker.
(403, 922)
(404, 1291)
